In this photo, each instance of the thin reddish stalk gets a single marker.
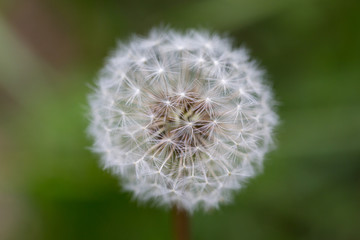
(181, 224)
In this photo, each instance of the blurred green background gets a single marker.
(51, 186)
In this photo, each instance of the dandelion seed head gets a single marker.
(182, 118)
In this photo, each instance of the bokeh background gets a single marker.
(51, 185)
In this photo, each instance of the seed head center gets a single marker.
(185, 123)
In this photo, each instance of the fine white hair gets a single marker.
(182, 118)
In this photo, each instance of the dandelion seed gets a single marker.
(182, 119)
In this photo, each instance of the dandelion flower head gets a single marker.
(183, 119)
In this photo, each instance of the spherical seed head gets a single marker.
(183, 119)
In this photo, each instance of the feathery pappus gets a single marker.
(183, 119)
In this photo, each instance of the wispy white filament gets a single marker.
(183, 119)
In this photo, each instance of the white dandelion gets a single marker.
(182, 119)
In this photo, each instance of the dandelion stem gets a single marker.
(181, 224)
